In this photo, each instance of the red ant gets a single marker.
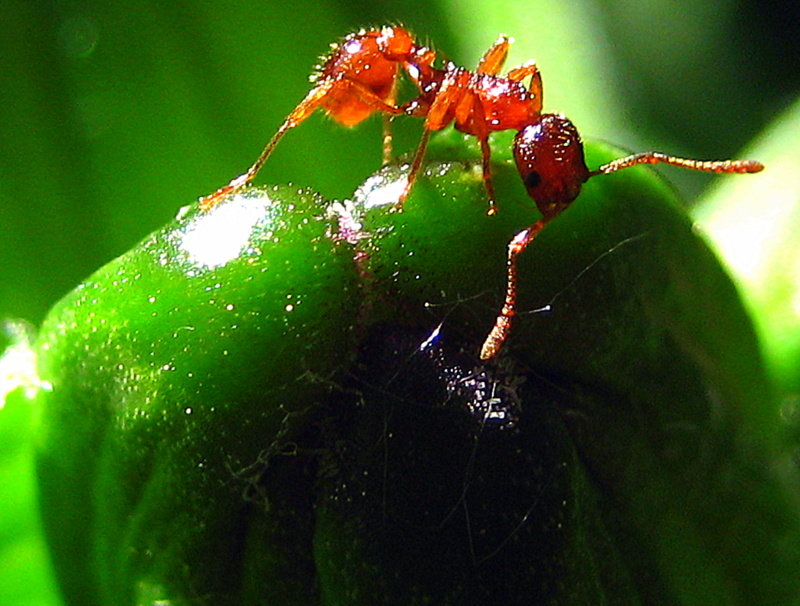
(360, 78)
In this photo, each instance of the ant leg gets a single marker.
(494, 58)
(386, 140)
(709, 166)
(415, 166)
(487, 173)
(303, 110)
(436, 119)
(210, 201)
(386, 119)
(502, 324)
(469, 110)
(535, 87)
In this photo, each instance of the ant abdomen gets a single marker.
(549, 157)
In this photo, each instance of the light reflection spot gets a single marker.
(219, 236)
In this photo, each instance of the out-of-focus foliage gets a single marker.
(755, 226)
(163, 103)
(25, 578)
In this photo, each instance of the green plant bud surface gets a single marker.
(280, 401)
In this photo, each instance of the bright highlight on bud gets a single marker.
(215, 238)
(18, 364)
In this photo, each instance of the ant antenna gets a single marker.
(708, 166)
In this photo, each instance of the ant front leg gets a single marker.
(502, 325)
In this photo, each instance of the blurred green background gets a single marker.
(117, 114)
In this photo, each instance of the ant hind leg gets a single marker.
(313, 100)
(299, 114)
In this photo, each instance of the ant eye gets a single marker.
(532, 179)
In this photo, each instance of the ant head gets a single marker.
(549, 156)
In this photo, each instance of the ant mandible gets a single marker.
(360, 78)
(357, 79)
